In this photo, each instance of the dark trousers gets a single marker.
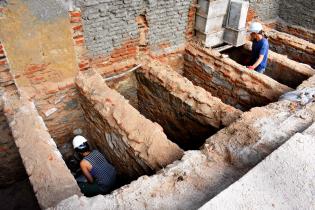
(90, 189)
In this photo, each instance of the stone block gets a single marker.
(234, 37)
(209, 26)
(212, 39)
(217, 8)
(237, 14)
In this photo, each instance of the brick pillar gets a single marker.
(78, 40)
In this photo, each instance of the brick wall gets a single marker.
(299, 13)
(132, 143)
(113, 24)
(284, 70)
(295, 30)
(263, 10)
(228, 80)
(295, 48)
(188, 114)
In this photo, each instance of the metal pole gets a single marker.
(122, 74)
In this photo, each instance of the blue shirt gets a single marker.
(102, 171)
(260, 47)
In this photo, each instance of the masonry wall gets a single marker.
(188, 114)
(295, 48)
(263, 10)
(230, 81)
(109, 25)
(299, 13)
(132, 143)
(48, 173)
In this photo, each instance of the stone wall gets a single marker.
(188, 114)
(233, 83)
(110, 25)
(299, 13)
(295, 48)
(132, 143)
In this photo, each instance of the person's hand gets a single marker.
(251, 67)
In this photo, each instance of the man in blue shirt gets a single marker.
(259, 56)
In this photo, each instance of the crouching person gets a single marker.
(100, 175)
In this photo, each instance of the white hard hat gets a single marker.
(255, 27)
(78, 141)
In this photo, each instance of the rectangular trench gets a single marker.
(233, 83)
(279, 67)
(165, 97)
(295, 48)
(13, 177)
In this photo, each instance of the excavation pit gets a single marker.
(279, 68)
(226, 79)
(16, 191)
(154, 92)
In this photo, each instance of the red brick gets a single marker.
(78, 28)
(75, 14)
(75, 20)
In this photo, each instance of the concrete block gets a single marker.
(237, 14)
(234, 37)
(209, 25)
(212, 39)
(217, 8)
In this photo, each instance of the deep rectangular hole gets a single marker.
(16, 191)
(72, 158)
(208, 72)
(157, 104)
(274, 70)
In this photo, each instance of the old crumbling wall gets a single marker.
(43, 63)
(48, 173)
(283, 69)
(132, 143)
(295, 48)
(187, 113)
(232, 83)
(299, 13)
